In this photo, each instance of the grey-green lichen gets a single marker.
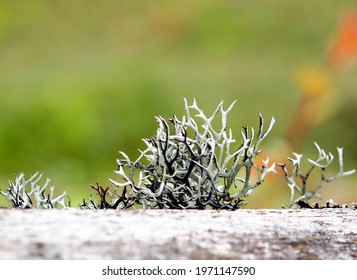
(301, 190)
(193, 162)
(29, 193)
(191, 166)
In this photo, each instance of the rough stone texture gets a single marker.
(175, 234)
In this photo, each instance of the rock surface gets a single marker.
(178, 234)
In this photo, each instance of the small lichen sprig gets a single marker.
(192, 166)
(123, 201)
(298, 182)
(28, 193)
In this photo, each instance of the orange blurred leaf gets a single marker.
(344, 48)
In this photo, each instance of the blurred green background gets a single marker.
(81, 80)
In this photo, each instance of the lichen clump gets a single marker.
(29, 193)
(190, 164)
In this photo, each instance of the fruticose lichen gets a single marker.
(190, 164)
(28, 193)
(301, 191)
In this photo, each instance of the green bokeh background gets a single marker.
(81, 80)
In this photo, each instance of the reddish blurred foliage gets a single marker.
(344, 47)
(316, 82)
